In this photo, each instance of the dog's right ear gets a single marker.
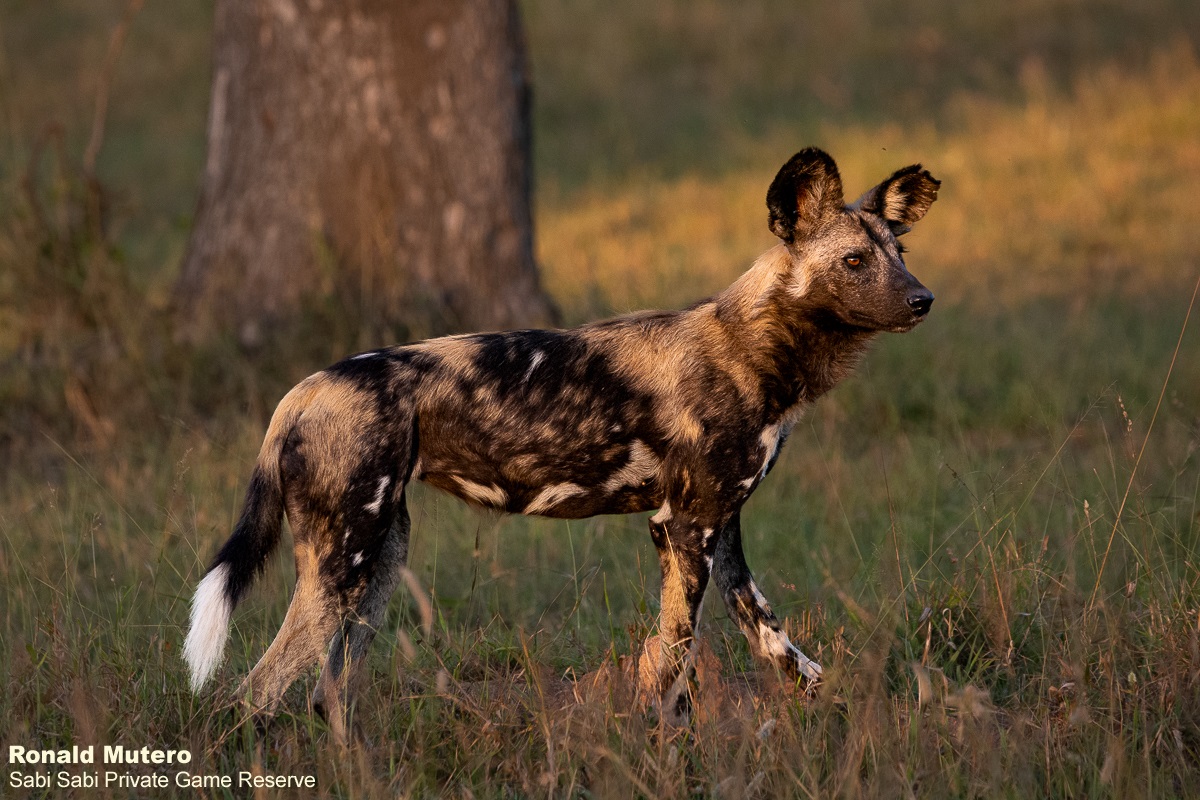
(807, 187)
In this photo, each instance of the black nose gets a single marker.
(920, 302)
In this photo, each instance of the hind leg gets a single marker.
(685, 545)
(352, 639)
(307, 628)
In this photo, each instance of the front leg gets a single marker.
(749, 608)
(686, 544)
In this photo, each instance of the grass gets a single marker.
(988, 535)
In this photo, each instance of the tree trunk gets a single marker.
(369, 153)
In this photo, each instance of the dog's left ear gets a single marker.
(902, 199)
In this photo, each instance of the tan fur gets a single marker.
(655, 362)
(673, 620)
(307, 628)
(641, 466)
(291, 407)
(489, 496)
(337, 409)
(457, 352)
(747, 296)
(551, 496)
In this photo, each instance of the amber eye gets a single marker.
(853, 262)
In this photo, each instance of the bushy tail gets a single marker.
(245, 554)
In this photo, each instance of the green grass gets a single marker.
(988, 535)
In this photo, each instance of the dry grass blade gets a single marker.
(1145, 441)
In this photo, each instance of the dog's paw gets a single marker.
(808, 669)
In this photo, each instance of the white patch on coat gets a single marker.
(485, 495)
(769, 439)
(377, 503)
(538, 357)
(357, 559)
(759, 599)
(551, 496)
(772, 438)
(642, 466)
(772, 642)
(211, 609)
(776, 644)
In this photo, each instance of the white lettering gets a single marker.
(252, 781)
(190, 781)
(120, 754)
(84, 780)
(38, 780)
(18, 754)
(123, 780)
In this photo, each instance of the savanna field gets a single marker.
(989, 535)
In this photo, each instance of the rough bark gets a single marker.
(369, 153)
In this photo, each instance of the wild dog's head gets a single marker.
(846, 260)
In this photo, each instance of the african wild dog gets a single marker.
(682, 411)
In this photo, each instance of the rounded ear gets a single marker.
(806, 188)
(902, 199)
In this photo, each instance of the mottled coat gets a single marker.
(681, 411)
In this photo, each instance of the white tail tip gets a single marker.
(211, 609)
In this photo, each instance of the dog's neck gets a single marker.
(800, 349)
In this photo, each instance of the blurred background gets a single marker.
(1026, 461)
(1064, 132)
